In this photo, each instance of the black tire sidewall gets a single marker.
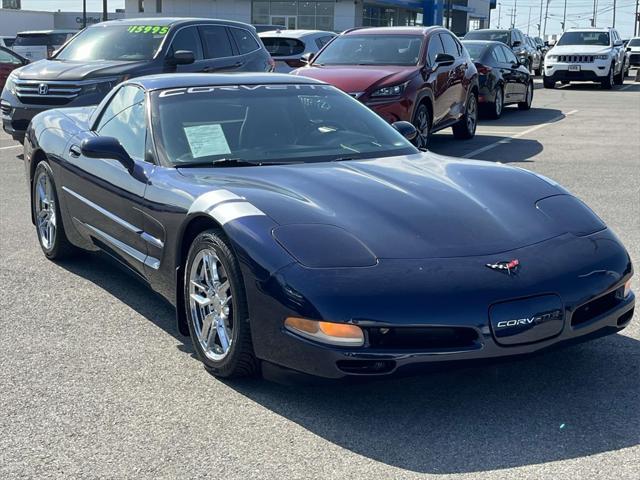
(420, 108)
(215, 239)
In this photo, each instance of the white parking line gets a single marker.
(518, 135)
(628, 86)
(12, 146)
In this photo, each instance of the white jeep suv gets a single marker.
(586, 55)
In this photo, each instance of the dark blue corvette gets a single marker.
(292, 227)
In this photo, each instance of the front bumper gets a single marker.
(16, 115)
(595, 71)
(446, 302)
(634, 59)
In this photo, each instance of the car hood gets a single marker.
(417, 206)
(72, 70)
(354, 79)
(579, 49)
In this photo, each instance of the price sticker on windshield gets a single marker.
(150, 29)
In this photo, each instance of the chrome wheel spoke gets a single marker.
(223, 336)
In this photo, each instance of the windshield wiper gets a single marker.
(228, 162)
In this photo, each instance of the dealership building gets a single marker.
(336, 15)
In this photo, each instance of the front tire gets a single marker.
(216, 307)
(619, 78)
(608, 82)
(466, 126)
(46, 213)
(548, 82)
(423, 121)
(528, 98)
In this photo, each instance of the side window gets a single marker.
(129, 127)
(435, 47)
(510, 57)
(322, 41)
(497, 55)
(123, 98)
(244, 40)
(6, 57)
(450, 46)
(216, 41)
(187, 39)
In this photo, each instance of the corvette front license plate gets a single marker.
(574, 68)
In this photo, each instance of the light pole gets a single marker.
(637, 20)
(529, 22)
(105, 17)
(84, 13)
(614, 13)
(564, 16)
(540, 24)
(546, 15)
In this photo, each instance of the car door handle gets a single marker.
(238, 64)
(75, 151)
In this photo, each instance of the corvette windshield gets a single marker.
(262, 124)
(372, 50)
(115, 42)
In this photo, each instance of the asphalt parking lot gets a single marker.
(96, 382)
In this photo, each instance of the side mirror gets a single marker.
(107, 147)
(307, 57)
(406, 129)
(517, 43)
(523, 61)
(628, 49)
(181, 57)
(444, 59)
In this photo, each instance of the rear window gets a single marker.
(48, 39)
(9, 41)
(495, 35)
(475, 50)
(634, 42)
(245, 41)
(283, 47)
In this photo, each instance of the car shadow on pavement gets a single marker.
(514, 117)
(559, 405)
(107, 274)
(627, 87)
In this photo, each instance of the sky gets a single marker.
(579, 13)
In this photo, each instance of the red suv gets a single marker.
(421, 75)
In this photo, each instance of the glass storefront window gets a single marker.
(317, 14)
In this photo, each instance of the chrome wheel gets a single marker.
(210, 303)
(472, 114)
(498, 104)
(45, 211)
(423, 125)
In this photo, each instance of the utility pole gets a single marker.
(540, 24)
(614, 13)
(515, 13)
(564, 17)
(529, 22)
(499, 14)
(546, 15)
(637, 20)
(105, 16)
(595, 11)
(84, 13)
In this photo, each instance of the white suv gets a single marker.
(586, 55)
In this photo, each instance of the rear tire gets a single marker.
(528, 98)
(216, 307)
(466, 126)
(548, 82)
(46, 212)
(493, 109)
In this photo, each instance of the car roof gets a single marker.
(45, 32)
(166, 21)
(294, 33)
(180, 80)
(392, 30)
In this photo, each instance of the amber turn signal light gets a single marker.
(342, 334)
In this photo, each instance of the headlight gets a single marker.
(342, 334)
(602, 57)
(101, 86)
(10, 84)
(389, 91)
(627, 289)
(553, 58)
